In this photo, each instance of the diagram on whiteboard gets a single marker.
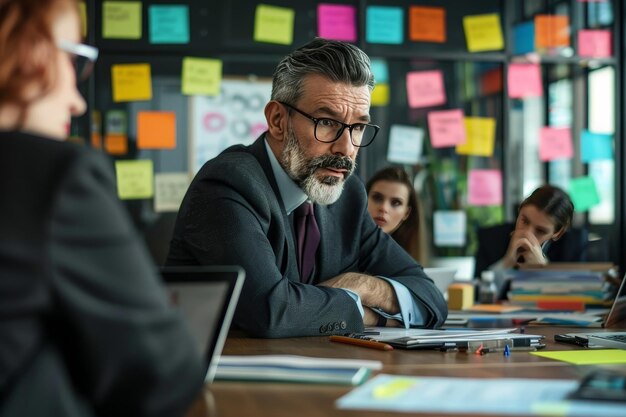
(234, 117)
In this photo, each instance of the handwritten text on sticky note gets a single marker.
(551, 31)
(169, 24)
(425, 88)
(446, 128)
(170, 189)
(483, 32)
(131, 82)
(481, 134)
(134, 179)
(524, 80)
(449, 228)
(384, 24)
(555, 143)
(405, 144)
(336, 21)
(201, 76)
(484, 187)
(594, 43)
(274, 24)
(427, 24)
(121, 19)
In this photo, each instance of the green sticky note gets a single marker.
(273, 24)
(169, 24)
(584, 193)
(121, 20)
(586, 357)
(393, 388)
(134, 179)
(201, 76)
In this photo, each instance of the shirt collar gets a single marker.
(292, 195)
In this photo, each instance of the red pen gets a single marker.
(361, 342)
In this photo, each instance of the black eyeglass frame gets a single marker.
(345, 126)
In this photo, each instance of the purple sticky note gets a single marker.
(555, 143)
(484, 187)
(594, 43)
(524, 80)
(446, 128)
(336, 21)
(425, 88)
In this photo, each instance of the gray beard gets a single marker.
(323, 191)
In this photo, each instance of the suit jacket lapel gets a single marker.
(259, 151)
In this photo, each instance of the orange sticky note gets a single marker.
(156, 130)
(551, 31)
(116, 144)
(96, 140)
(427, 24)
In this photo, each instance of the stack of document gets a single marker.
(558, 289)
(291, 368)
(455, 339)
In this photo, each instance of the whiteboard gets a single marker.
(234, 117)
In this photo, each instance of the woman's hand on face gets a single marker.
(525, 245)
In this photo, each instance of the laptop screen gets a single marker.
(618, 309)
(207, 298)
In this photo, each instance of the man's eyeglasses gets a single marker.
(329, 130)
(84, 57)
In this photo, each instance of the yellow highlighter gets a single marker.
(393, 388)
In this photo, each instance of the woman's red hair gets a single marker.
(27, 50)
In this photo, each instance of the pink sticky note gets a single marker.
(336, 21)
(425, 88)
(594, 43)
(446, 128)
(524, 80)
(555, 143)
(484, 187)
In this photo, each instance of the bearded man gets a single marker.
(289, 211)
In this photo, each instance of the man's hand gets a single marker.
(374, 292)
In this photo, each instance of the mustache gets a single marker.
(332, 161)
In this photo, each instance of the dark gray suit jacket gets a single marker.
(233, 214)
(85, 327)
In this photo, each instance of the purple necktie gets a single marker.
(308, 237)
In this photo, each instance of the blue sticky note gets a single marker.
(524, 38)
(384, 25)
(596, 146)
(380, 71)
(169, 24)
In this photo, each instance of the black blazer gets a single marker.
(85, 327)
(494, 241)
(233, 214)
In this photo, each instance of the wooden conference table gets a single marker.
(243, 399)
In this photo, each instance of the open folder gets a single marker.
(454, 339)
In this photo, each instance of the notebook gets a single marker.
(616, 315)
(207, 297)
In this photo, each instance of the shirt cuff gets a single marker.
(410, 313)
(357, 299)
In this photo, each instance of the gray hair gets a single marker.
(335, 60)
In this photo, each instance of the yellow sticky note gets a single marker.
(273, 24)
(82, 9)
(131, 82)
(483, 32)
(121, 19)
(134, 179)
(201, 76)
(393, 388)
(481, 134)
(586, 357)
(380, 95)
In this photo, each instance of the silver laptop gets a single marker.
(207, 297)
(616, 316)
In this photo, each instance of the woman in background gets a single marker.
(543, 218)
(85, 325)
(393, 204)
